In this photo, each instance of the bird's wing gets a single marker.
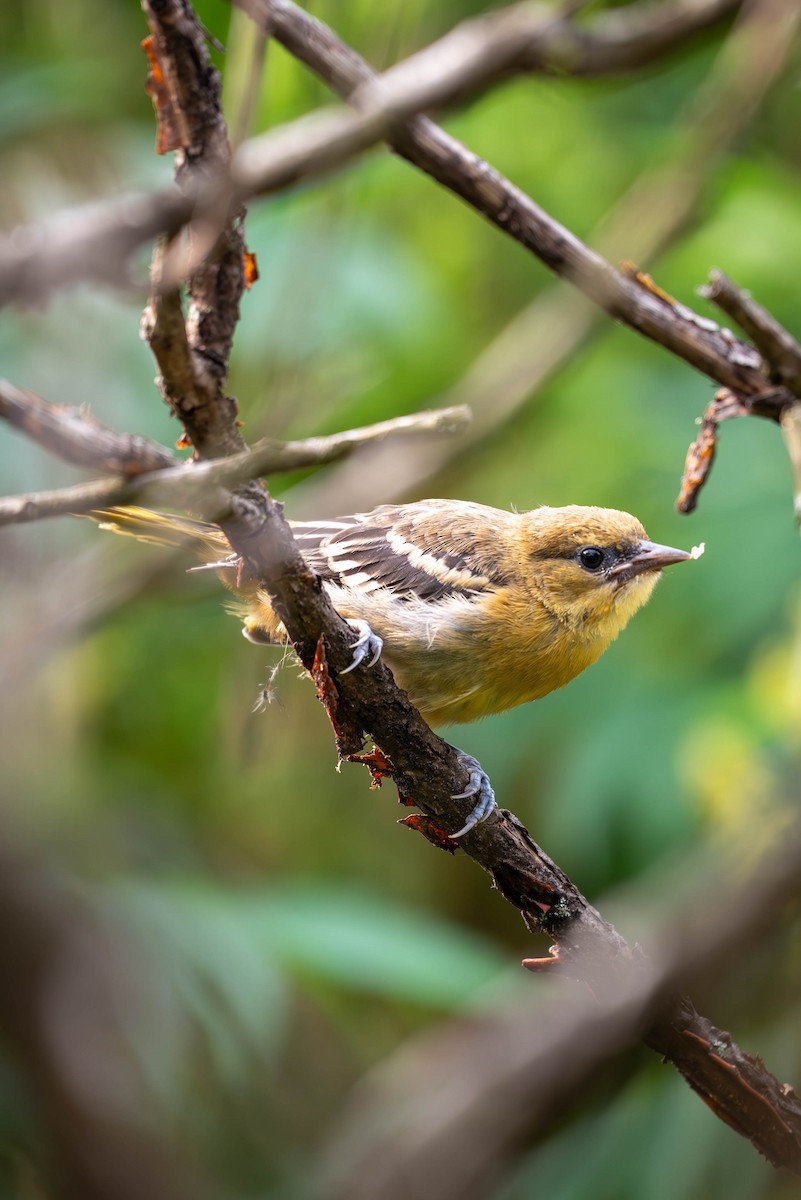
(430, 550)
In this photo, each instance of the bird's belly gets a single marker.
(454, 688)
(462, 676)
(458, 662)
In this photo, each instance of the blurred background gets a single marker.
(288, 938)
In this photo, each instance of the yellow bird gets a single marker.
(474, 609)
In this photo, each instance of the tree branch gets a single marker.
(626, 298)
(778, 347)
(425, 769)
(197, 484)
(75, 436)
(191, 122)
(57, 252)
(446, 1110)
(657, 206)
(781, 362)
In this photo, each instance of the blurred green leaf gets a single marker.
(337, 934)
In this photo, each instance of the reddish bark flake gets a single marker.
(714, 1106)
(701, 454)
(326, 690)
(734, 1070)
(167, 123)
(377, 763)
(541, 966)
(630, 270)
(251, 269)
(426, 825)
(348, 735)
(697, 466)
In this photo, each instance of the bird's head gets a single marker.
(594, 567)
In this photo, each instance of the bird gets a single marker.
(475, 609)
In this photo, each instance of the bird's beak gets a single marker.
(648, 556)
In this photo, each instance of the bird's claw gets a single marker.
(366, 643)
(478, 785)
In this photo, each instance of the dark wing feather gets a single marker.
(429, 550)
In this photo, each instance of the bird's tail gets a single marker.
(164, 529)
(211, 546)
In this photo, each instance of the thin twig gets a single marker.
(198, 484)
(75, 436)
(781, 363)
(778, 347)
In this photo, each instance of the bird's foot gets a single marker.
(478, 785)
(366, 643)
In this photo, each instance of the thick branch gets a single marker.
(193, 354)
(490, 1080)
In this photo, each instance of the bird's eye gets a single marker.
(591, 558)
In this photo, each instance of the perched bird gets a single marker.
(475, 610)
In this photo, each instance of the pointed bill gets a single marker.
(648, 556)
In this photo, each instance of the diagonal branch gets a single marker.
(624, 297)
(421, 1120)
(56, 252)
(74, 435)
(657, 206)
